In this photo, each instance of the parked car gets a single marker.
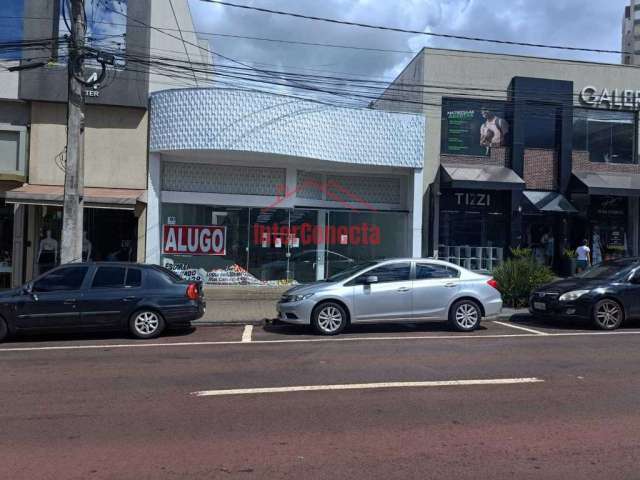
(606, 294)
(143, 299)
(400, 290)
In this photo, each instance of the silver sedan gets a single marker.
(399, 290)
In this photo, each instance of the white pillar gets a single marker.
(415, 196)
(154, 223)
(320, 252)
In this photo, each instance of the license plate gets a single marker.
(539, 306)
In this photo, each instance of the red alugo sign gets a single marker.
(194, 240)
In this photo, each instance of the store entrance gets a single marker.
(546, 235)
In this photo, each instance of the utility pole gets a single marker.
(72, 214)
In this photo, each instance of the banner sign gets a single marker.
(194, 240)
(473, 129)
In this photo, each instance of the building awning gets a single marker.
(486, 177)
(549, 202)
(610, 183)
(113, 198)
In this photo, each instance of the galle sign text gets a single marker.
(194, 240)
(610, 98)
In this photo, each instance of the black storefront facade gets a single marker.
(544, 170)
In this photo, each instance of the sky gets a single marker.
(564, 22)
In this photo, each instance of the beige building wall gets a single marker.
(115, 146)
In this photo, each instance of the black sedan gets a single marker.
(143, 299)
(607, 295)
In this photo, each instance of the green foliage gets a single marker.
(518, 277)
(521, 252)
(569, 253)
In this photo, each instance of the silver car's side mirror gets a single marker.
(370, 279)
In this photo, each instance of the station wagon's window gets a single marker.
(67, 278)
(134, 277)
(426, 271)
(393, 272)
(108, 277)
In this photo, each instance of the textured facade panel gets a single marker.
(541, 169)
(362, 189)
(203, 178)
(208, 119)
(581, 163)
(310, 185)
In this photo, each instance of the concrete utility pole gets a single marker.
(72, 215)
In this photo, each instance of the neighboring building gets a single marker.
(528, 152)
(631, 34)
(256, 188)
(33, 135)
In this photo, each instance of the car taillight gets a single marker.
(492, 282)
(192, 291)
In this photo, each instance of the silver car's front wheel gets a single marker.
(329, 318)
(465, 316)
(146, 324)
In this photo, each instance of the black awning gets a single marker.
(486, 177)
(549, 202)
(610, 183)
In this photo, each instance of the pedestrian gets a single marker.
(584, 256)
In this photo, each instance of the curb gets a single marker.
(221, 323)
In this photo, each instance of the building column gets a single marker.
(154, 192)
(415, 196)
(17, 255)
(320, 245)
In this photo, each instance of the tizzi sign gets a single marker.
(194, 240)
(610, 98)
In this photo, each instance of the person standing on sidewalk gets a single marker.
(584, 256)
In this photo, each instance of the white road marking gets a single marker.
(366, 386)
(517, 327)
(314, 340)
(246, 333)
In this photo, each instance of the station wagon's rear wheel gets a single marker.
(608, 314)
(329, 318)
(465, 315)
(146, 324)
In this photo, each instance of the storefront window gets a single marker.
(473, 227)
(6, 243)
(269, 246)
(608, 232)
(607, 136)
(48, 245)
(473, 127)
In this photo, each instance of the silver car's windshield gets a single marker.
(348, 272)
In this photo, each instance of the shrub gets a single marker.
(518, 277)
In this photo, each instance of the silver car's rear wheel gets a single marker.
(329, 318)
(465, 315)
(146, 324)
(608, 315)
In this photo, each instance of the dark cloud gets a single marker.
(593, 24)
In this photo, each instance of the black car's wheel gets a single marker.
(146, 324)
(608, 314)
(4, 330)
(329, 318)
(465, 315)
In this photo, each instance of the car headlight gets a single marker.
(574, 295)
(299, 298)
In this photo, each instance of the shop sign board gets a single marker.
(473, 129)
(472, 200)
(194, 240)
(613, 99)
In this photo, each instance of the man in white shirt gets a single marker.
(584, 256)
(493, 131)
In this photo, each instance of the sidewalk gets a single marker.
(252, 305)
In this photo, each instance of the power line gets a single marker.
(414, 32)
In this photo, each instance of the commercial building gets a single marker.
(524, 152)
(256, 188)
(631, 34)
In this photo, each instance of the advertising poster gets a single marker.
(194, 240)
(473, 130)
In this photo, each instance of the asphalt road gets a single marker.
(107, 407)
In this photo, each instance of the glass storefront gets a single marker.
(109, 235)
(272, 246)
(6, 243)
(473, 227)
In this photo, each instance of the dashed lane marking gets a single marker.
(517, 327)
(366, 386)
(246, 333)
